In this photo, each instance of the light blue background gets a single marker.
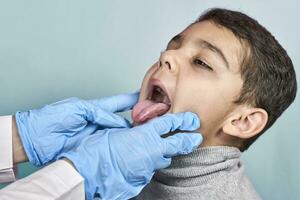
(50, 50)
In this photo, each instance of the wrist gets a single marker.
(19, 154)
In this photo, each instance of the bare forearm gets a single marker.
(19, 154)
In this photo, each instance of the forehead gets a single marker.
(220, 37)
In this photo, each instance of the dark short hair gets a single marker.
(269, 79)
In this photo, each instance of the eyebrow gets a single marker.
(215, 49)
(177, 39)
(204, 44)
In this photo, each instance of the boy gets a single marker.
(233, 73)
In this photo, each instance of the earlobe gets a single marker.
(246, 123)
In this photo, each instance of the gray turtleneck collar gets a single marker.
(207, 173)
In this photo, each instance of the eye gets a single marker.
(202, 64)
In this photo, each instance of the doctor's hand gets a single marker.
(118, 163)
(58, 127)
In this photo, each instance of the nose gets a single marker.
(167, 61)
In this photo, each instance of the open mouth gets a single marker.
(158, 95)
(156, 104)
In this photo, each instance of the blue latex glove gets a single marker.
(118, 163)
(58, 127)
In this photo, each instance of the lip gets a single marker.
(156, 82)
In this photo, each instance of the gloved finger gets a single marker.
(106, 119)
(181, 143)
(117, 103)
(73, 142)
(163, 163)
(186, 121)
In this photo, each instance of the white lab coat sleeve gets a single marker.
(57, 181)
(6, 155)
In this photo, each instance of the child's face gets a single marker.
(200, 72)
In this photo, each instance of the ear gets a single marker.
(246, 122)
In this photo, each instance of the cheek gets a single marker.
(208, 102)
(211, 112)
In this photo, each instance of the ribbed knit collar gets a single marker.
(200, 166)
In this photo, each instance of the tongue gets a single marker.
(146, 110)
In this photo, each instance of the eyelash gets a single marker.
(202, 64)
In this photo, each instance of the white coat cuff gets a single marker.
(6, 152)
(57, 181)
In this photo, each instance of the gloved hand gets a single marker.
(118, 163)
(58, 127)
